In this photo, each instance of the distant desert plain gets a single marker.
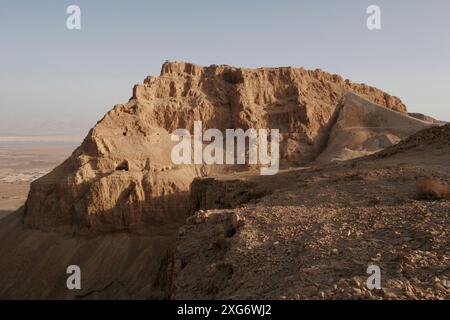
(24, 159)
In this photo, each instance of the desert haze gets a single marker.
(24, 159)
(361, 182)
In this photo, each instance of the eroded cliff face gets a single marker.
(122, 176)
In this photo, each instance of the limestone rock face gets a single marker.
(122, 176)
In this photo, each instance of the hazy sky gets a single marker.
(57, 81)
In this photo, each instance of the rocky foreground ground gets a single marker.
(316, 233)
(315, 236)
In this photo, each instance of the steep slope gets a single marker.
(114, 266)
(435, 139)
(122, 178)
(364, 128)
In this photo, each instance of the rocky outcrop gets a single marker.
(426, 118)
(306, 233)
(363, 128)
(211, 193)
(122, 177)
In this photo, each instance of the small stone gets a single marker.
(310, 291)
(441, 287)
(357, 291)
(356, 282)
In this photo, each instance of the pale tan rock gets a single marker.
(363, 128)
(122, 177)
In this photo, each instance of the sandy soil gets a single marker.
(23, 162)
